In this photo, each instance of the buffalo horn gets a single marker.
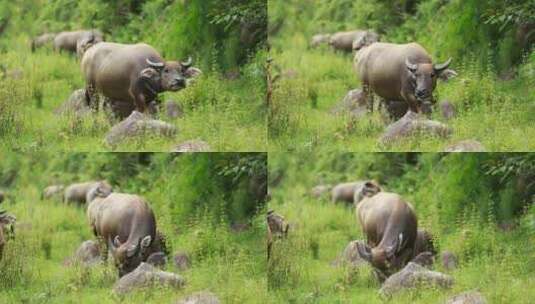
(440, 67)
(155, 64)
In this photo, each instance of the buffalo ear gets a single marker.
(192, 72)
(364, 251)
(447, 74)
(145, 242)
(149, 73)
(370, 189)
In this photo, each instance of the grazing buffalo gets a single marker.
(43, 40)
(126, 224)
(344, 41)
(390, 226)
(345, 192)
(52, 191)
(399, 72)
(319, 39)
(131, 75)
(76, 193)
(68, 41)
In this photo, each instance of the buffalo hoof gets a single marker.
(449, 260)
(466, 146)
(182, 261)
(157, 259)
(412, 124)
(203, 297)
(146, 276)
(138, 125)
(192, 146)
(470, 297)
(414, 276)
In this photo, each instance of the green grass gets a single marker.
(231, 265)
(228, 114)
(497, 263)
(499, 114)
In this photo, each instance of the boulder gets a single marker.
(449, 260)
(146, 276)
(412, 124)
(192, 146)
(447, 109)
(424, 259)
(469, 297)
(138, 125)
(203, 297)
(466, 146)
(157, 259)
(173, 109)
(414, 276)
(353, 104)
(350, 256)
(182, 261)
(88, 254)
(75, 105)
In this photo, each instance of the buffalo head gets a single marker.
(385, 259)
(423, 77)
(367, 189)
(364, 40)
(101, 189)
(128, 256)
(169, 75)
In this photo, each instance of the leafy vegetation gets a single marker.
(225, 107)
(480, 206)
(491, 51)
(196, 198)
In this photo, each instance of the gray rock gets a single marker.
(350, 256)
(182, 261)
(203, 297)
(75, 105)
(466, 146)
(412, 124)
(320, 191)
(353, 103)
(449, 260)
(192, 146)
(424, 259)
(138, 125)
(173, 109)
(157, 259)
(469, 297)
(447, 109)
(414, 276)
(88, 254)
(146, 276)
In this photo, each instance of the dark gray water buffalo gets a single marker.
(43, 40)
(399, 72)
(131, 75)
(390, 226)
(344, 41)
(68, 41)
(126, 224)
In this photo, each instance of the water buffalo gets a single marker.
(399, 72)
(344, 192)
(76, 193)
(126, 224)
(43, 40)
(344, 41)
(319, 39)
(52, 191)
(68, 41)
(390, 226)
(131, 75)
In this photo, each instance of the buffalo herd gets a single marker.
(128, 76)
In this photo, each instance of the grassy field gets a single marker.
(497, 262)
(496, 112)
(229, 264)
